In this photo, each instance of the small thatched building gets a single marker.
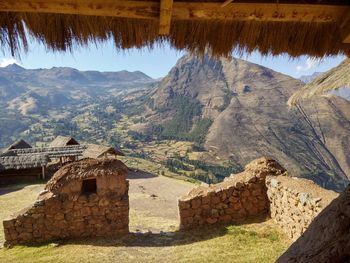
(62, 141)
(97, 151)
(22, 168)
(20, 144)
(83, 199)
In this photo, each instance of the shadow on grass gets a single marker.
(139, 174)
(6, 189)
(166, 239)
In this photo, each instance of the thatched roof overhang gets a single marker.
(338, 77)
(316, 28)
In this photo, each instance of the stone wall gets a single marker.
(295, 202)
(63, 211)
(327, 239)
(238, 198)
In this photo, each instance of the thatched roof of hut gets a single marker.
(23, 162)
(61, 141)
(313, 27)
(20, 144)
(53, 152)
(84, 169)
(338, 77)
(96, 151)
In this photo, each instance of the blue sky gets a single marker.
(155, 63)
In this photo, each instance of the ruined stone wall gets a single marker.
(295, 202)
(61, 217)
(64, 211)
(238, 198)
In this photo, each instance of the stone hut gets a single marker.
(83, 199)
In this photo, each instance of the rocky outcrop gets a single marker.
(327, 239)
(83, 199)
(238, 198)
(295, 202)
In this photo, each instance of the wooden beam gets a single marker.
(345, 28)
(113, 8)
(166, 11)
(182, 10)
(258, 12)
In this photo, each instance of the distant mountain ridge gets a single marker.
(308, 78)
(37, 90)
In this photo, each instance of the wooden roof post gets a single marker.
(43, 172)
(166, 11)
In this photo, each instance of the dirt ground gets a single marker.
(155, 197)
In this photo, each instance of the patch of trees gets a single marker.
(213, 173)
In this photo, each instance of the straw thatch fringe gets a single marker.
(338, 77)
(294, 38)
(12, 32)
(64, 32)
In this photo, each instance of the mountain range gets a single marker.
(38, 90)
(233, 109)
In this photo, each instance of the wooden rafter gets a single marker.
(181, 10)
(345, 28)
(166, 10)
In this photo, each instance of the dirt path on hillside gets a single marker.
(153, 201)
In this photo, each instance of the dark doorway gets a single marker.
(89, 186)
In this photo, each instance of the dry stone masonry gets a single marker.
(263, 189)
(327, 239)
(238, 198)
(83, 199)
(295, 202)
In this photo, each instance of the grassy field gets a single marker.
(253, 242)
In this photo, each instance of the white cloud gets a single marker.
(4, 62)
(310, 64)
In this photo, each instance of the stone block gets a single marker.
(59, 216)
(184, 204)
(187, 213)
(225, 218)
(211, 220)
(196, 203)
(215, 200)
